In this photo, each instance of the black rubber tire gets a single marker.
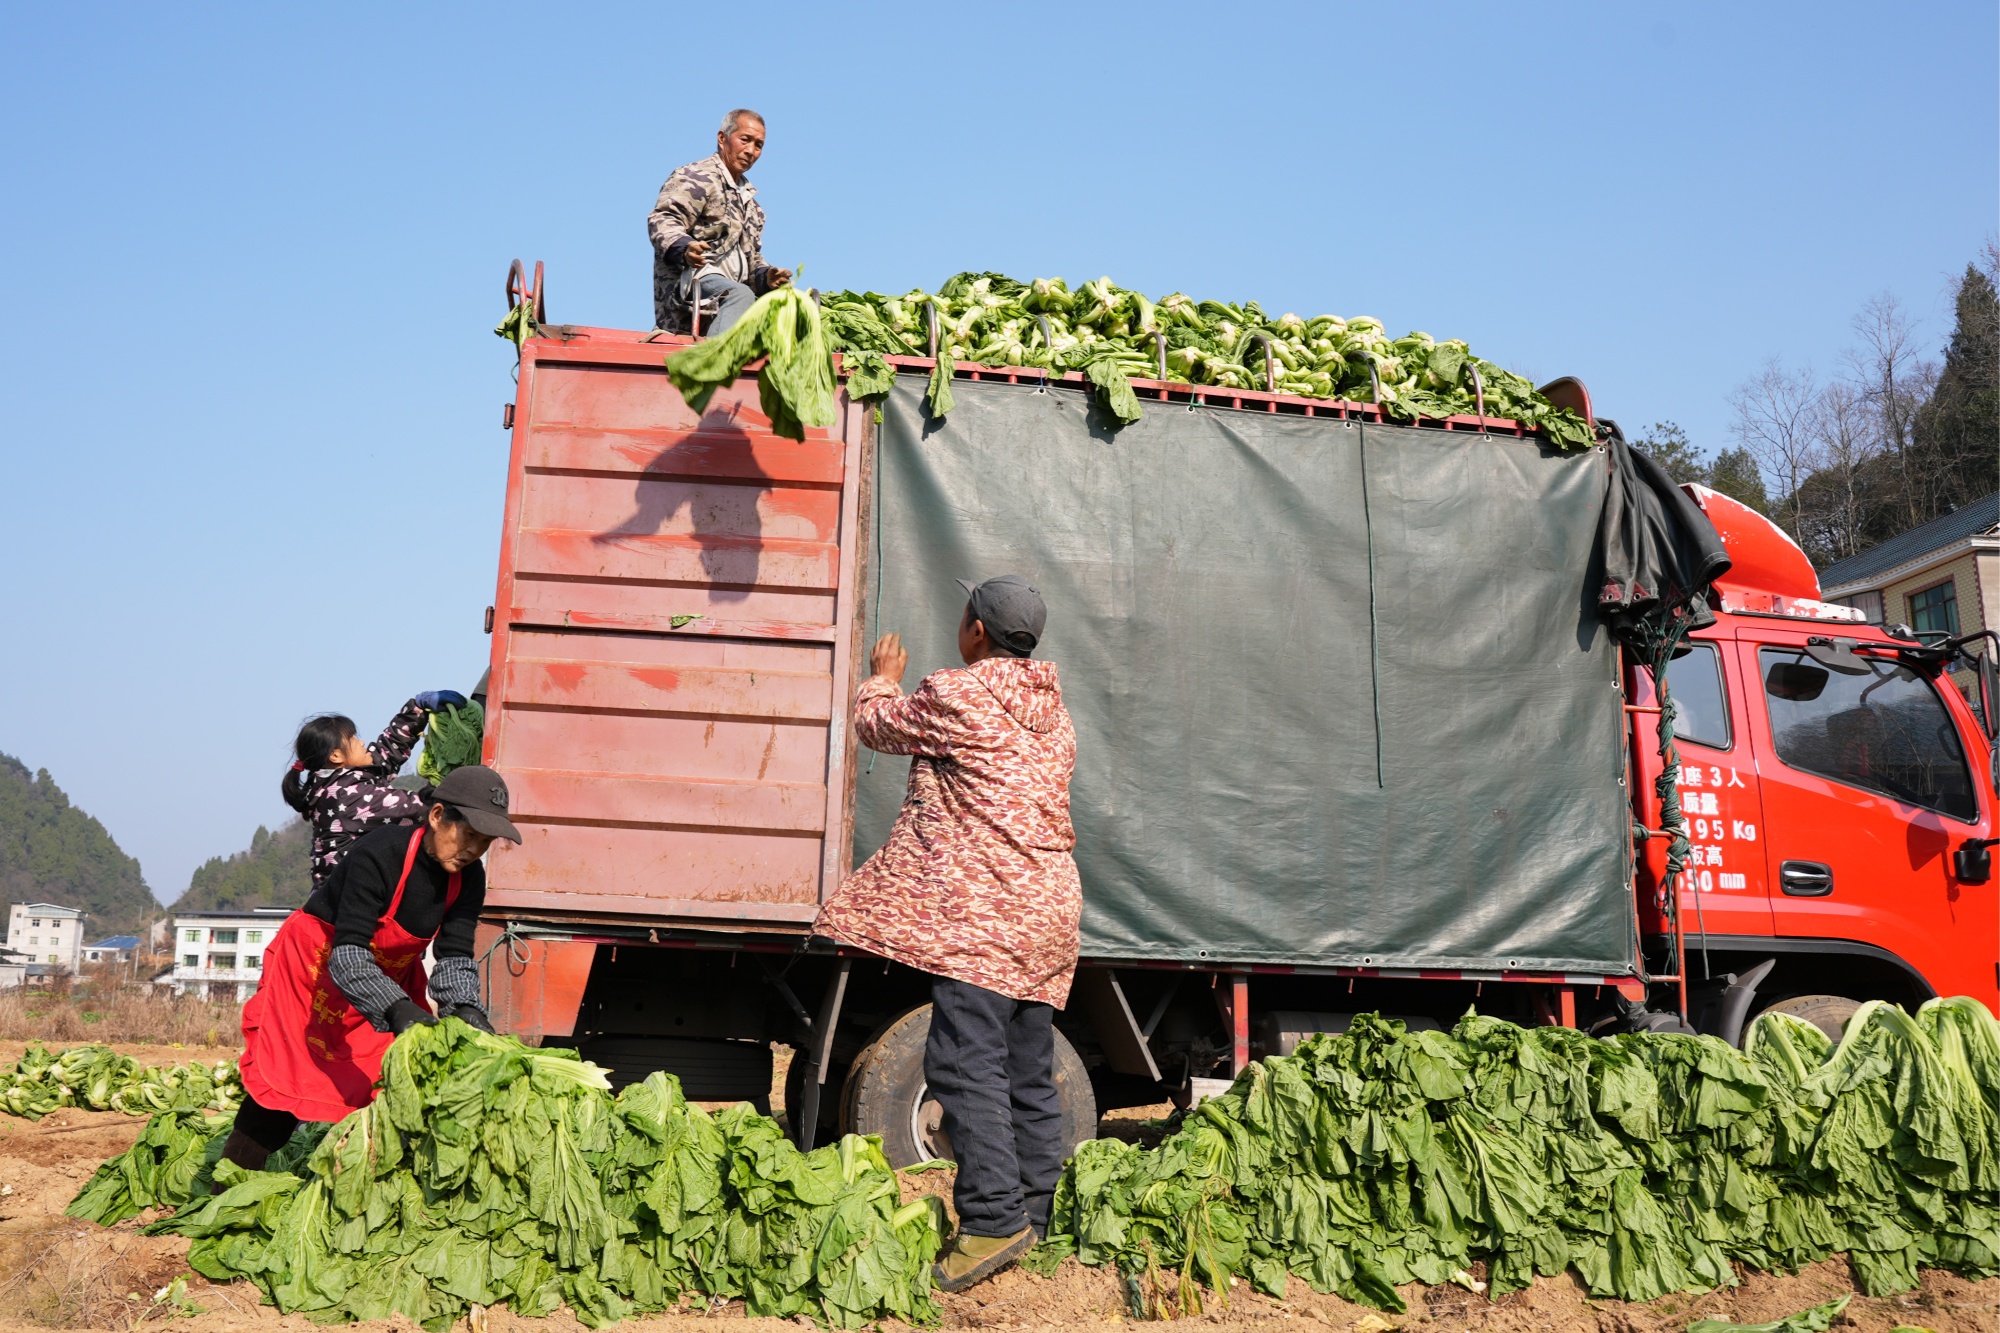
(1828, 1013)
(885, 1093)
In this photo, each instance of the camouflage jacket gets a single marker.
(976, 882)
(697, 203)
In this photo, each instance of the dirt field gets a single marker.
(58, 1273)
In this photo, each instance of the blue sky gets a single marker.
(252, 438)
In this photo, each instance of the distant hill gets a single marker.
(52, 852)
(276, 871)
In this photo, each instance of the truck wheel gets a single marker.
(886, 1094)
(1828, 1013)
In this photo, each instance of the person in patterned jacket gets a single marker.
(708, 232)
(342, 787)
(976, 885)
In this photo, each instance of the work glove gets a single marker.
(406, 1014)
(432, 700)
(473, 1014)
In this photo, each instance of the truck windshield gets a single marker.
(1884, 730)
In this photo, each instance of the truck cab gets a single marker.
(1838, 794)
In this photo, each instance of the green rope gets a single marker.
(1656, 649)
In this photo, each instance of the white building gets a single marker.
(220, 955)
(13, 969)
(47, 934)
(111, 949)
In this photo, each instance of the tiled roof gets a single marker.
(1965, 521)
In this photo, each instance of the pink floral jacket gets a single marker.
(976, 881)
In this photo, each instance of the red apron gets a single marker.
(306, 1048)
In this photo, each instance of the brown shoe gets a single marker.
(973, 1259)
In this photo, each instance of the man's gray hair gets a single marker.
(729, 121)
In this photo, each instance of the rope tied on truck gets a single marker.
(1660, 555)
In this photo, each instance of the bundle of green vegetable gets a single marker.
(488, 1172)
(100, 1079)
(795, 388)
(173, 1161)
(1114, 334)
(1648, 1163)
(451, 740)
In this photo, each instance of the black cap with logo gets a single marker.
(479, 795)
(1012, 612)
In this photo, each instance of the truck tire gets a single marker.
(886, 1094)
(1828, 1013)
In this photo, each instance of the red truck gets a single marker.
(1350, 738)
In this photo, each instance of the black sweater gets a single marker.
(354, 898)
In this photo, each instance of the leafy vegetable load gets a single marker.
(1114, 334)
(452, 740)
(100, 1079)
(795, 388)
(489, 1172)
(1649, 1163)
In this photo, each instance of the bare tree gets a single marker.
(1894, 381)
(1841, 497)
(1775, 416)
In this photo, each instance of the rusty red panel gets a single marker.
(533, 988)
(673, 646)
(633, 687)
(697, 453)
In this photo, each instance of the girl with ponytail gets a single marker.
(343, 788)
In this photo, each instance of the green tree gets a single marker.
(52, 852)
(1734, 473)
(1958, 430)
(274, 871)
(1668, 445)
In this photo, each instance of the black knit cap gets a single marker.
(1012, 612)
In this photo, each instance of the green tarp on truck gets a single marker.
(1341, 694)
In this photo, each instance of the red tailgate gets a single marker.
(697, 769)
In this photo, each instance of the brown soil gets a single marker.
(59, 1273)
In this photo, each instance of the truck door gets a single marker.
(1723, 882)
(1867, 792)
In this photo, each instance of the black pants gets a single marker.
(259, 1131)
(990, 1063)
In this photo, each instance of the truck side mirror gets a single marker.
(1796, 681)
(1989, 694)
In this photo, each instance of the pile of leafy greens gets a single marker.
(1649, 1163)
(1113, 335)
(174, 1161)
(795, 386)
(488, 1172)
(452, 740)
(100, 1079)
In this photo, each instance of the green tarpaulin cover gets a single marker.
(1340, 694)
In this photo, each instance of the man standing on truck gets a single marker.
(976, 886)
(708, 232)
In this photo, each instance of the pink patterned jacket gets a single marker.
(976, 882)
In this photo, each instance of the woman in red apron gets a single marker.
(345, 974)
